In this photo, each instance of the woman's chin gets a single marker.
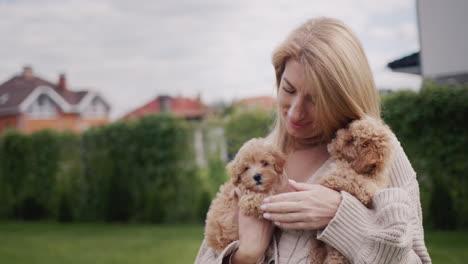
(297, 134)
(303, 136)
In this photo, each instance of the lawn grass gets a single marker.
(447, 247)
(80, 243)
(50, 242)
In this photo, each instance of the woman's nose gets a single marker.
(296, 110)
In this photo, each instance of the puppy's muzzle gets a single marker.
(258, 178)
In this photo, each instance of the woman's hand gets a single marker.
(311, 206)
(254, 237)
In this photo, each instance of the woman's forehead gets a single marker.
(294, 73)
(294, 76)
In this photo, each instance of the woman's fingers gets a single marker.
(294, 226)
(281, 207)
(285, 197)
(284, 218)
(300, 186)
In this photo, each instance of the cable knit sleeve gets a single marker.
(207, 255)
(389, 232)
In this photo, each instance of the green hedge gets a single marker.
(138, 170)
(244, 125)
(141, 170)
(432, 127)
(27, 174)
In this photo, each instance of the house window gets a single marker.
(42, 107)
(96, 109)
(4, 98)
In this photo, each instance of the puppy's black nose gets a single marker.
(257, 177)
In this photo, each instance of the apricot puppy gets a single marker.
(257, 170)
(360, 153)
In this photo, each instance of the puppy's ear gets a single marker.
(278, 164)
(233, 169)
(280, 161)
(344, 139)
(348, 137)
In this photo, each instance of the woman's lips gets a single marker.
(298, 125)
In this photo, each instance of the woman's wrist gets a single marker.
(241, 257)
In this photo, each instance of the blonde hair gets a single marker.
(337, 70)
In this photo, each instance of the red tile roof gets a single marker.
(265, 103)
(179, 106)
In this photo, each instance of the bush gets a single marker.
(14, 152)
(138, 170)
(431, 125)
(28, 166)
(246, 125)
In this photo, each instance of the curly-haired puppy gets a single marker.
(257, 170)
(360, 153)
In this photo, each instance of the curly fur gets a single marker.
(360, 153)
(257, 170)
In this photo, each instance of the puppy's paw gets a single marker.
(250, 204)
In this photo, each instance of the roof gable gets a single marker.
(18, 88)
(59, 100)
(21, 90)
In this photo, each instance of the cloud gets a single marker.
(403, 31)
(133, 51)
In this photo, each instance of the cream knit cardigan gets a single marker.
(390, 232)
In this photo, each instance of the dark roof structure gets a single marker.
(409, 64)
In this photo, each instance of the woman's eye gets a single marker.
(291, 91)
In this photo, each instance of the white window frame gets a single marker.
(48, 110)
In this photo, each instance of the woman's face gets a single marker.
(296, 104)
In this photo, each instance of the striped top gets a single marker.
(390, 232)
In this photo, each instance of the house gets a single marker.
(188, 108)
(443, 43)
(262, 103)
(29, 103)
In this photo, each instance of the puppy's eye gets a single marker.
(264, 163)
(365, 144)
(246, 168)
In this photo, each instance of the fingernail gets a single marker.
(277, 223)
(263, 207)
(291, 181)
(266, 200)
(266, 215)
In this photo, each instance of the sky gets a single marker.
(132, 51)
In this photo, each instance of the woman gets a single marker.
(324, 82)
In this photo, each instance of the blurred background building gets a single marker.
(443, 42)
(188, 108)
(29, 103)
